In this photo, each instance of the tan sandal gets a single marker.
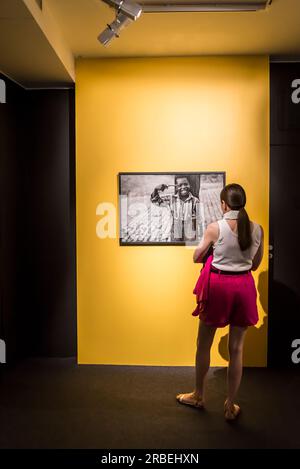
(196, 402)
(231, 412)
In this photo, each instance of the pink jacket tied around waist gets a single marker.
(201, 289)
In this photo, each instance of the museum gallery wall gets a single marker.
(153, 119)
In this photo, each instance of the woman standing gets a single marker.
(237, 246)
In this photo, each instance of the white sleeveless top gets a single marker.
(227, 252)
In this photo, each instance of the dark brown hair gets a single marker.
(235, 197)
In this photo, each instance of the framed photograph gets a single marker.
(168, 208)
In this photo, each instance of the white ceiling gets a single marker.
(273, 31)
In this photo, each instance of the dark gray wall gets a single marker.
(10, 150)
(38, 205)
(284, 277)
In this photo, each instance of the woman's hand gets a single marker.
(207, 240)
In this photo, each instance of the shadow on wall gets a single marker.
(256, 337)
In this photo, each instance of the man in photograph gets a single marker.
(184, 206)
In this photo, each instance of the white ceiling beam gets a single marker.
(50, 29)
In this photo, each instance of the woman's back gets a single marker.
(227, 252)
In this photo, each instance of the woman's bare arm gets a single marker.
(259, 253)
(207, 240)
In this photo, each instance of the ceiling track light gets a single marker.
(170, 7)
(125, 13)
(128, 11)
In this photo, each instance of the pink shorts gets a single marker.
(231, 300)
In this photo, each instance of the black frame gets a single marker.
(158, 243)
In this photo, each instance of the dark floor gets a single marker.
(54, 403)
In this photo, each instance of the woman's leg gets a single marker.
(235, 367)
(204, 342)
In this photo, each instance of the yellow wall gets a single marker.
(162, 114)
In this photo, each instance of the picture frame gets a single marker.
(167, 208)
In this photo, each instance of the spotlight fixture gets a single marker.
(125, 13)
(113, 29)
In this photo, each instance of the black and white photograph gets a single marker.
(168, 208)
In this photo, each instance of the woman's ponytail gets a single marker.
(244, 231)
(235, 197)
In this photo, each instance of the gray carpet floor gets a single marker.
(55, 403)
